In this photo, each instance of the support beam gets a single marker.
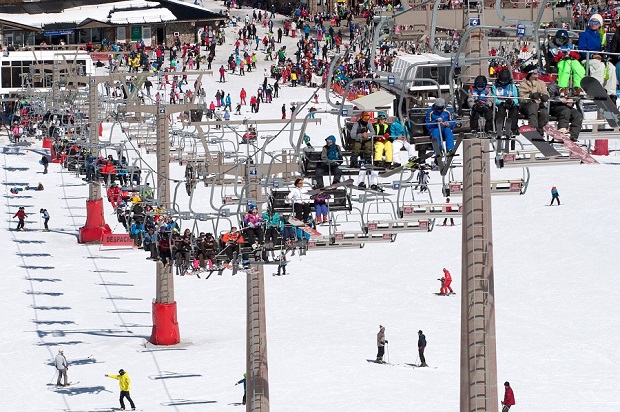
(257, 377)
(165, 325)
(478, 353)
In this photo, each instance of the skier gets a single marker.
(21, 216)
(509, 397)
(61, 366)
(44, 161)
(439, 123)
(421, 346)
(448, 209)
(381, 342)
(448, 281)
(554, 196)
(123, 382)
(244, 388)
(331, 159)
(46, 218)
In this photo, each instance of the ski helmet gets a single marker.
(121, 372)
(440, 103)
(561, 38)
(504, 78)
(480, 82)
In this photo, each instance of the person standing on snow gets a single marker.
(381, 342)
(61, 366)
(421, 347)
(21, 216)
(123, 382)
(244, 387)
(45, 161)
(447, 282)
(554, 196)
(509, 397)
(46, 218)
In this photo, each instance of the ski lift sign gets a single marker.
(520, 30)
(474, 21)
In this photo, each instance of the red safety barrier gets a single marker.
(601, 147)
(165, 325)
(117, 239)
(95, 226)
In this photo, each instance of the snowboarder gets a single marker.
(381, 342)
(509, 397)
(46, 218)
(554, 196)
(123, 382)
(61, 366)
(21, 216)
(421, 346)
(244, 387)
(44, 161)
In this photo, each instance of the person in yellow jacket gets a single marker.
(123, 382)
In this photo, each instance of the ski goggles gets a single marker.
(595, 22)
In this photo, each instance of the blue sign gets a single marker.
(474, 21)
(520, 30)
(391, 80)
(58, 32)
(345, 112)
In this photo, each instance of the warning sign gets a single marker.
(114, 239)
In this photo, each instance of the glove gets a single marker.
(509, 103)
(535, 96)
(574, 55)
(558, 57)
(109, 200)
(386, 341)
(544, 97)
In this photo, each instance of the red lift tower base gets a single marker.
(95, 226)
(165, 325)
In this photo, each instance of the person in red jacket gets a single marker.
(448, 209)
(114, 195)
(109, 172)
(243, 95)
(509, 397)
(21, 216)
(447, 282)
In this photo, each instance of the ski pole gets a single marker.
(416, 359)
(388, 352)
(54, 376)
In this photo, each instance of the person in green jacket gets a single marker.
(123, 382)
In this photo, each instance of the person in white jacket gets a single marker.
(300, 199)
(62, 366)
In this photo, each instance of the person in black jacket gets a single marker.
(421, 346)
(44, 161)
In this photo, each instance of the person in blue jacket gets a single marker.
(593, 41)
(228, 101)
(400, 140)
(506, 100)
(331, 159)
(440, 122)
(555, 195)
(244, 387)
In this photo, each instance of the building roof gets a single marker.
(73, 13)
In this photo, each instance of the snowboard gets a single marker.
(597, 92)
(442, 294)
(298, 223)
(538, 141)
(575, 149)
(413, 163)
(334, 186)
